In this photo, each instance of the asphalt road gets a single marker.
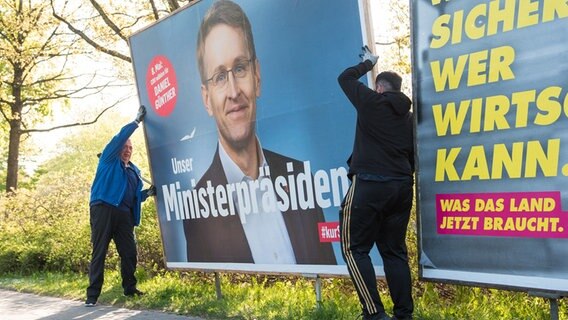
(24, 306)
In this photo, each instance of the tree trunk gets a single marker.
(15, 130)
(13, 152)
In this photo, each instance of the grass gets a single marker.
(264, 297)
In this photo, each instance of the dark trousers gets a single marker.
(377, 212)
(109, 223)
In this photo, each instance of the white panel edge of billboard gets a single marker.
(366, 32)
(505, 280)
(339, 270)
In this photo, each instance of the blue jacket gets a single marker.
(111, 178)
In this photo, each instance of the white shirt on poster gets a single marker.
(266, 232)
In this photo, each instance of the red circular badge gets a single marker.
(161, 84)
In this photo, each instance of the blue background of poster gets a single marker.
(302, 47)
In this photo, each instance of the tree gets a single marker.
(105, 26)
(392, 32)
(34, 73)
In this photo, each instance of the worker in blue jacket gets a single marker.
(116, 197)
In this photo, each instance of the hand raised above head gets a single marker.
(141, 114)
(368, 55)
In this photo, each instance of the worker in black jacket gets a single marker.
(376, 209)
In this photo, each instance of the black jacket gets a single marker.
(384, 136)
(222, 239)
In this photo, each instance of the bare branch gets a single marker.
(397, 40)
(2, 110)
(91, 42)
(385, 43)
(173, 4)
(107, 20)
(155, 10)
(70, 94)
(74, 124)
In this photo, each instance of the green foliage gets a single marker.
(44, 228)
(8, 258)
(392, 38)
(4, 134)
(37, 54)
(272, 297)
(149, 241)
(33, 76)
(47, 227)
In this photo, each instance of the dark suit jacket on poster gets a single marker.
(222, 239)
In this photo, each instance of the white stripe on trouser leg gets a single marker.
(346, 238)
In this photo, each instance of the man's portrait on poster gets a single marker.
(257, 217)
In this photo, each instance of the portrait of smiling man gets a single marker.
(230, 85)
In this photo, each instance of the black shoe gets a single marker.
(133, 293)
(91, 302)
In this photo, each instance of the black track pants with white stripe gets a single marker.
(377, 212)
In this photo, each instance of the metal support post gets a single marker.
(553, 308)
(218, 286)
(318, 292)
(552, 299)
(317, 286)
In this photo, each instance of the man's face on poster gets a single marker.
(232, 86)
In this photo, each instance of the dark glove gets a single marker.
(368, 55)
(141, 114)
(151, 191)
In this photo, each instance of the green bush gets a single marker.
(46, 227)
(8, 259)
(44, 223)
(43, 230)
(148, 238)
(33, 259)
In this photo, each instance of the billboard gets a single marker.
(492, 107)
(248, 132)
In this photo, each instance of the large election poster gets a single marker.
(492, 107)
(248, 132)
